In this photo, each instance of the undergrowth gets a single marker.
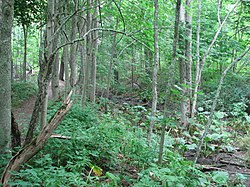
(108, 150)
(20, 91)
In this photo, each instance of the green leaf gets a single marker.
(220, 115)
(220, 177)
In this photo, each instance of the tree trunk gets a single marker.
(111, 63)
(43, 80)
(94, 52)
(72, 58)
(6, 18)
(210, 119)
(198, 58)
(133, 66)
(199, 71)
(155, 71)
(25, 30)
(176, 30)
(36, 144)
(15, 133)
(170, 79)
(55, 69)
(188, 54)
(183, 71)
(87, 73)
(55, 78)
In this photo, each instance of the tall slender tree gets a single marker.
(155, 71)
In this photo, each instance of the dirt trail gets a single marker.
(23, 113)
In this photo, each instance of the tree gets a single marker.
(155, 71)
(27, 12)
(6, 18)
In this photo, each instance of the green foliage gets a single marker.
(22, 91)
(27, 12)
(174, 172)
(234, 90)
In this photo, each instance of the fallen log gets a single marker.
(31, 149)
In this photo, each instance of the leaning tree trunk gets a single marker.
(199, 71)
(36, 144)
(6, 18)
(210, 119)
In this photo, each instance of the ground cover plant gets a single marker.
(110, 149)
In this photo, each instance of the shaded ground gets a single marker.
(232, 162)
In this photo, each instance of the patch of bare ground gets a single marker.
(232, 162)
(23, 113)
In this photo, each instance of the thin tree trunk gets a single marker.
(55, 70)
(86, 85)
(210, 119)
(183, 71)
(199, 72)
(176, 30)
(72, 58)
(43, 80)
(113, 58)
(65, 57)
(198, 58)
(24, 78)
(133, 66)
(188, 53)
(55, 78)
(94, 52)
(155, 71)
(170, 78)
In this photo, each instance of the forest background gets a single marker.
(147, 93)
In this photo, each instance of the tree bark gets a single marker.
(198, 58)
(188, 53)
(43, 80)
(170, 82)
(155, 71)
(183, 70)
(111, 63)
(72, 58)
(6, 18)
(94, 52)
(15, 133)
(37, 143)
(55, 69)
(25, 30)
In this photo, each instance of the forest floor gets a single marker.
(231, 162)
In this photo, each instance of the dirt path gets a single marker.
(23, 113)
